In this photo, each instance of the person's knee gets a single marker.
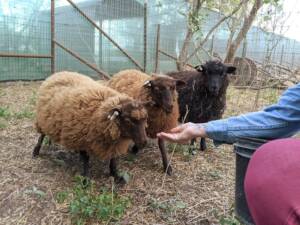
(264, 176)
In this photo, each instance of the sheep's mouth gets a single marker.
(215, 93)
(168, 109)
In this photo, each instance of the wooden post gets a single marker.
(52, 36)
(157, 48)
(145, 35)
(100, 46)
(281, 58)
(14, 55)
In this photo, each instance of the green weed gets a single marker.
(35, 191)
(229, 221)
(46, 140)
(272, 96)
(186, 150)
(167, 209)
(25, 113)
(4, 112)
(230, 218)
(33, 98)
(85, 203)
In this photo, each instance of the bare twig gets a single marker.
(213, 28)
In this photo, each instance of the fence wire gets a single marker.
(25, 29)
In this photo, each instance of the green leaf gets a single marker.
(35, 191)
(180, 205)
(61, 196)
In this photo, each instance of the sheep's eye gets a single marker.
(128, 120)
(134, 120)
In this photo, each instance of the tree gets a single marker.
(241, 15)
(194, 25)
(248, 20)
(272, 19)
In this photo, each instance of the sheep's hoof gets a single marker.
(192, 150)
(35, 153)
(120, 180)
(134, 150)
(169, 170)
(203, 148)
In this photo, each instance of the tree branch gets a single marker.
(213, 28)
(243, 32)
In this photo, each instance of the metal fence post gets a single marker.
(52, 36)
(145, 35)
(157, 48)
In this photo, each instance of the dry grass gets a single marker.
(201, 191)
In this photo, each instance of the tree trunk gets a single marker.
(243, 32)
(180, 63)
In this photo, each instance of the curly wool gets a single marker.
(73, 110)
(131, 83)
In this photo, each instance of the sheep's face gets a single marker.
(215, 74)
(132, 120)
(163, 91)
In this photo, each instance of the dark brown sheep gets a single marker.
(163, 114)
(204, 97)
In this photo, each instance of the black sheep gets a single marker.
(204, 97)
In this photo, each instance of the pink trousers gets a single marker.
(272, 183)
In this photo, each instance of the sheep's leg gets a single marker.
(114, 171)
(192, 149)
(36, 150)
(202, 144)
(84, 157)
(193, 141)
(49, 142)
(134, 149)
(162, 148)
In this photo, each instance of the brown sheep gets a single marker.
(87, 117)
(163, 114)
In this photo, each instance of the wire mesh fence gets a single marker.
(25, 28)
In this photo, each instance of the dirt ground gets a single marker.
(203, 184)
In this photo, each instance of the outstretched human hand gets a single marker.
(183, 133)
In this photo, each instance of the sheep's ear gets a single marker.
(147, 84)
(180, 84)
(198, 68)
(148, 103)
(201, 68)
(114, 114)
(231, 69)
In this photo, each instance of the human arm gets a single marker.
(277, 121)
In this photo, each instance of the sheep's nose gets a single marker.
(214, 89)
(169, 108)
